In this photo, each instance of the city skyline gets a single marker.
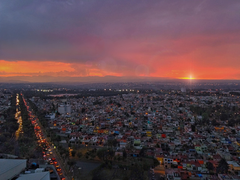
(47, 41)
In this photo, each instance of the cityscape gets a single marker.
(121, 133)
(119, 90)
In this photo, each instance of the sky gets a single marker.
(54, 40)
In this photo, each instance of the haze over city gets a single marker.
(74, 41)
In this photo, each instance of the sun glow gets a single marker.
(190, 77)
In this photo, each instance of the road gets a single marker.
(49, 153)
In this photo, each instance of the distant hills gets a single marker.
(95, 79)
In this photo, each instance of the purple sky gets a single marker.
(150, 38)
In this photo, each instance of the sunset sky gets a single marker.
(48, 40)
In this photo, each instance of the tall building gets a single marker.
(65, 108)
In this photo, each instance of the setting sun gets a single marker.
(190, 77)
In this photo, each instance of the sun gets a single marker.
(190, 77)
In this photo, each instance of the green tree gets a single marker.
(71, 163)
(101, 153)
(231, 122)
(124, 154)
(233, 131)
(155, 162)
(73, 153)
(79, 154)
(222, 166)
(193, 128)
(2, 138)
(209, 166)
(224, 116)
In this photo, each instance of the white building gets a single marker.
(15, 168)
(65, 108)
(36, 176)
(50, 116)
(10, 168)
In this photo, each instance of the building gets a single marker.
(14, 168)
(65, 108)
(11, 168)
(50, 116)
(35, 176)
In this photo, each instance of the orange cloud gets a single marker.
(51, 68)
(8, 68)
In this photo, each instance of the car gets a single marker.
(59, 169)
(50, 162)
(53, 159)
(56, 165)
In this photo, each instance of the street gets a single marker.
(49, 153)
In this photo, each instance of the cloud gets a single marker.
(122, 37)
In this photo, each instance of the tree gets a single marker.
(137, 172)
(83, 110)
(193, 128)
(79, 154)
(215, 123)
(124, 154)
(71, 163)
(155, 162)
(112, 142)
(231, 122)
(222, 166)
(100, 175)
(58, 138)
(224, 117)
(101, 153)
(2, 139)
(233, 131)
(181, 105)
(73, 153)
(142, 152)
(205, 116)
(209, 166)
(165, 147)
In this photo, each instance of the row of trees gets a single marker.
(39, 114)
(9, 128)
(27, 140)
(222, 167)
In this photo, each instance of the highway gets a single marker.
(49, 153)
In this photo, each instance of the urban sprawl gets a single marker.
(169, 134)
